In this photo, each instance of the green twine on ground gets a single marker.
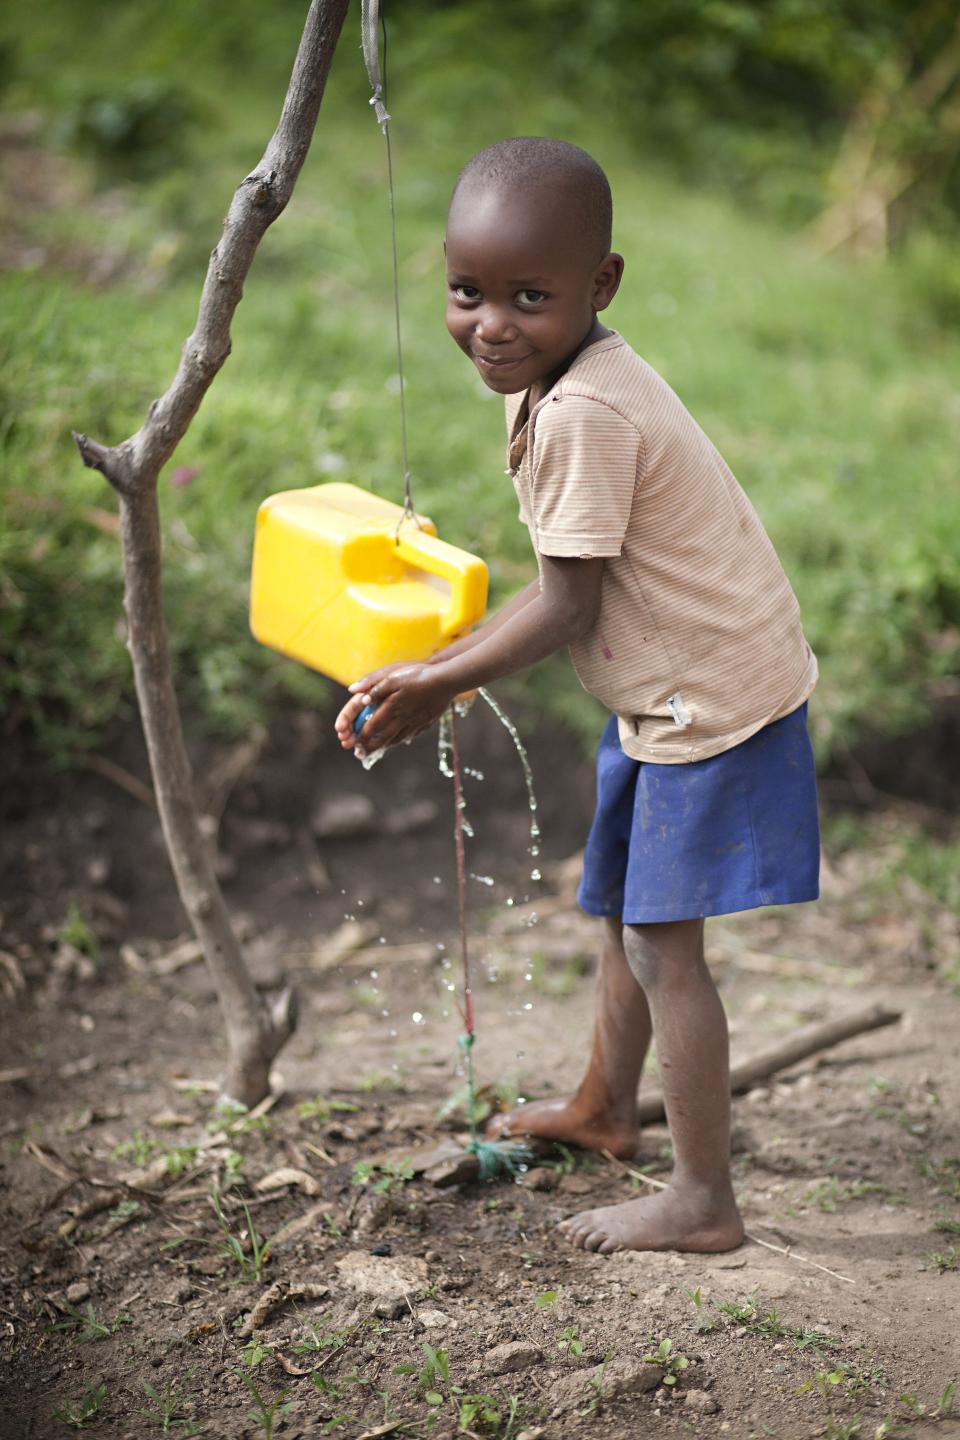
(495, 1157)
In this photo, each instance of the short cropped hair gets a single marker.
(528, 162)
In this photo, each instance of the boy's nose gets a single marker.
(494, 325)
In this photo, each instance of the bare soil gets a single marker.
(116, 1275)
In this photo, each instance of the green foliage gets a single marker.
(166, 1412)
(829, 386)
(265, 1413)
(86, 1327)
(669, 1360)
(76, 932)
(76, 1413)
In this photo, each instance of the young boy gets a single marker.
(655, 570)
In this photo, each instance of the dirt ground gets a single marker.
(127, 1308)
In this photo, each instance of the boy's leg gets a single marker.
(697, 1211)
(602, 1114)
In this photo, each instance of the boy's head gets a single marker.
(528, 259)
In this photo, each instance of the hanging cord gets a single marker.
(372, 22)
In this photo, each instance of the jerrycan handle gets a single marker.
(465, 572)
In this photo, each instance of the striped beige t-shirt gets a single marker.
(698, 643)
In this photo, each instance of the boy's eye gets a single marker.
(465, 292)
(530, 297)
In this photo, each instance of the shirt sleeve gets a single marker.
(585, 469)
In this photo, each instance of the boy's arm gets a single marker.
(542, 619)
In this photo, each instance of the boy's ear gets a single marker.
(606, 281)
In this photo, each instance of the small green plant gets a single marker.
(392, 1176)
(76, 1413)
(232, 1246)
(948, 1259)
(380, 1079)
(254, 1353)
(945, 1175)
(166, 1412)
(940, 1411)
(843, 1430)
(317, 1343)
(948, 1227)
(487, 1415)
(569, 1340)
(232, 1118)
(320, 1109)
(76, 932)
(88, 1327)
(265, 1412)
(595, 1403)
(144, 1148)
(673, 1363)
(829, 1194)
(824, 1381)
(549, 1297)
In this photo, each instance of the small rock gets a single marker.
(540, 1178)
(384, 1276)
(435, 1320)
(701, 1401)
(345, 817)
(418, 815)
(516, 1355)
(390, 1308)
(98, 869)
(78, 1291)
(576, 1184)
(621, 1377)
(373, 1212)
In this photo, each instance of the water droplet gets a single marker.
(393, 1034)
(528, 1005)
(383, 938)
(385, 1014)
(535, 875)
(509, 901)
(437, 881)
(483, 879)
(374, 974)
(417, 1018)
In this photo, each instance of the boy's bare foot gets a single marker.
(571, 1122)
(678, 1218)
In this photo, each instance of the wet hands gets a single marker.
(407, 699)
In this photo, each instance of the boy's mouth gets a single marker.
(499, 363)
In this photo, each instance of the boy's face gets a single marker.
(523, 288)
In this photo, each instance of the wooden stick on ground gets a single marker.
(799, 1046)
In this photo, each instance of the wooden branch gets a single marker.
(254, 1033)
(798, 1046)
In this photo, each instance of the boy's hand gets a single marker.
(407, 699)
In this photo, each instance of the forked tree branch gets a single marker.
(255, 1032)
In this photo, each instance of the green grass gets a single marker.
(829, 385)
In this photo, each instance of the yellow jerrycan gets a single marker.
(342, 582)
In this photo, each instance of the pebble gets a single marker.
(541, 1178)
(79, 1290)
(620, 1377)
(345, 817)
(701, 1401)
(387, 1277)
(516, 1355)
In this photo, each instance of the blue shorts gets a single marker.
(674, 842)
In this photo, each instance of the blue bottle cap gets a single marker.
(362, 718)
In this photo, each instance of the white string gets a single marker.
(371, 23)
